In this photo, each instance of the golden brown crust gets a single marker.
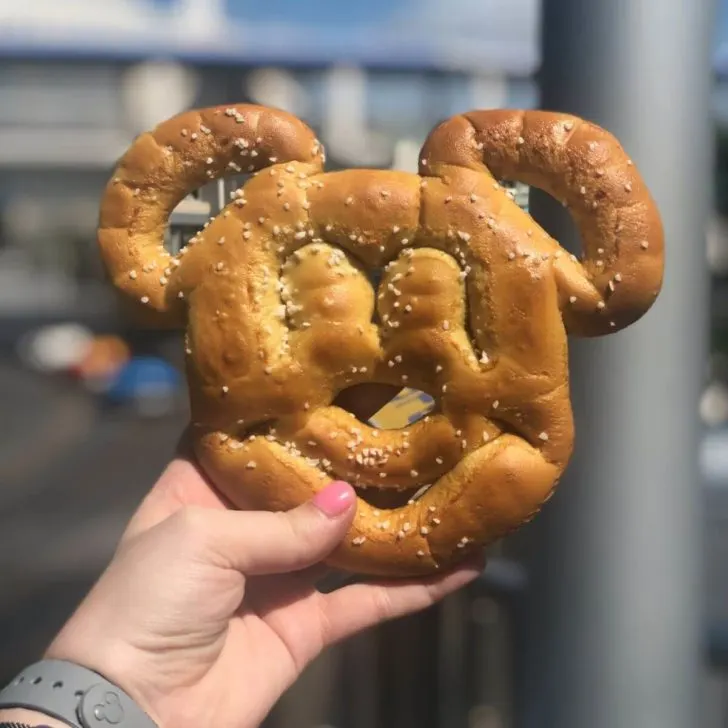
(473, 308)
(165, 165)
(585, 168)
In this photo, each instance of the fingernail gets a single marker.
(335, 498)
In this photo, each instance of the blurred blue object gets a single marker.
(149, 384)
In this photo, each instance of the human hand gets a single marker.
(206, 615)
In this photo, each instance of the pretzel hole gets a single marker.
(387, 499)
(518, 191)
(374, 404)
(195, 210)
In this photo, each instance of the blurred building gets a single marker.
(79, 80)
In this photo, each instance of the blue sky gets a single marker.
(493, 35)
(334, 13)
(320, 12)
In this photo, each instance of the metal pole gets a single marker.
(616, 618)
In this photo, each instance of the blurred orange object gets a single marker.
(103, 359)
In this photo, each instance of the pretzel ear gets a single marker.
(585, 168)
(163, 166)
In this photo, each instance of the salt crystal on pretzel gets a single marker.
(473, 307)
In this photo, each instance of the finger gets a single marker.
(360, 606)
(262, 542)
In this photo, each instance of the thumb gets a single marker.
(264, 542)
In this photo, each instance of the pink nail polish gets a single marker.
(335, 498)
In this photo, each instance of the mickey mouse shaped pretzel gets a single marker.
(473, 307)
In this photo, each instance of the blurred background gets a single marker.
(612, 608)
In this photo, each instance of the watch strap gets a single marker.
(74, 694)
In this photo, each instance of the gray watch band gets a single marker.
(71, 693)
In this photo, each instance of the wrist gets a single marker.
(115, 663)
(30, 718)
(56, 693)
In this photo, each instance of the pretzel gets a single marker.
(474, 307)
